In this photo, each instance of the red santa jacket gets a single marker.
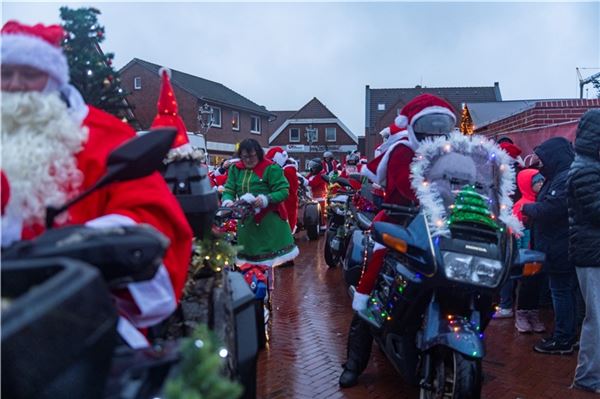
(147, 200)
(291, 203)
(330, 167)
(317, 185)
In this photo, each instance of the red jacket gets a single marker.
(317, 185)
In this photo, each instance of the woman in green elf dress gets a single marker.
(265, 237)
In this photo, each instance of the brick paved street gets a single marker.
(311, 316)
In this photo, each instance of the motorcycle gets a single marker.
(340, 220)
(433, 298)
(309, 213)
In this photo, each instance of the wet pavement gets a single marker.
(311, 315)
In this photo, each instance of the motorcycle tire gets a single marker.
(312, 232)
(330, 259)
(454, 376)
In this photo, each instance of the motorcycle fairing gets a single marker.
(456, 332)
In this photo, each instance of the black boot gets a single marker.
(359, 351)
(349, 377)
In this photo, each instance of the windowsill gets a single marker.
(294, 141)
(254, 132)
(235, 130)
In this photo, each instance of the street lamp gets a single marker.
(205, 119)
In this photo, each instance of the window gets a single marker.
(380, 107)
(216, 117)
(235, 121)
(330, 134)
(137, 83)
(294, 135)
(312, 135)
(254, 124)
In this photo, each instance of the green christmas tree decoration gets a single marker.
(201, 375)
(214, 253)
(91, 69)
(471, 207)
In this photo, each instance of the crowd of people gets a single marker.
(54, 145)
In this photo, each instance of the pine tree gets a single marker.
(91, 69)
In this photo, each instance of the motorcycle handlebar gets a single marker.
(399, 208)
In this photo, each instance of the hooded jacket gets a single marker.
(549, 215)
(584, 194)
(524, 180)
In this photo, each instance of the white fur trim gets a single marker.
(248, 198)
(263, 199)
(280, 158)
(385, 132)
(391, 140)
(431, 201)
(280, 260)
(21, 49)
(78, 109)
(154, 298)
(359, 301)
(226, 203)
(368, 174)
(381, 173)
(134, 338)
(164, 69)
(111, 220)
(433, 110)
(401, 121)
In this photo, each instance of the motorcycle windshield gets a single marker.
(452, 174)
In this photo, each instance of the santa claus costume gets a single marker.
(391, 170)
(280, 157)
(51, 151)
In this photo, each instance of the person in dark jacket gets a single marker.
(584, 243)
(550, 234)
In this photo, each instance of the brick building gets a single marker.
(528, 122)
(382, 105)
(234, 116)
(307, 133)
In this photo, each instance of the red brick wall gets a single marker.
(543, 114)
(144, 102)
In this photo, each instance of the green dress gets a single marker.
(266, 239)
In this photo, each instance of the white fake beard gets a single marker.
(39, 143)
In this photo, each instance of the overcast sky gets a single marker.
(281, 55)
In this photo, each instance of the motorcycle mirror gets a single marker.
(134, 159)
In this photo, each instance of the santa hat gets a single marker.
(168, 115)
(278, 155)
(422, 105)
(37, 46)
(512, 150)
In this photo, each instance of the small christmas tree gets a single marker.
(91, 70)
(201, 370)
(470, 206)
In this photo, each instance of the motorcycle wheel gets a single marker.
(454, 376)
(312, 232)
(330, 258)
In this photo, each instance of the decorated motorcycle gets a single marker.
(445, 262)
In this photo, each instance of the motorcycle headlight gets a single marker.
(472, 269)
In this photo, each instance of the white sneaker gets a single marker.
(502, 313)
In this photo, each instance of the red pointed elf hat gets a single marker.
(168, 115)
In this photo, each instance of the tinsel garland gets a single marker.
(431, 202)
(201, 366)
(183, 152)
